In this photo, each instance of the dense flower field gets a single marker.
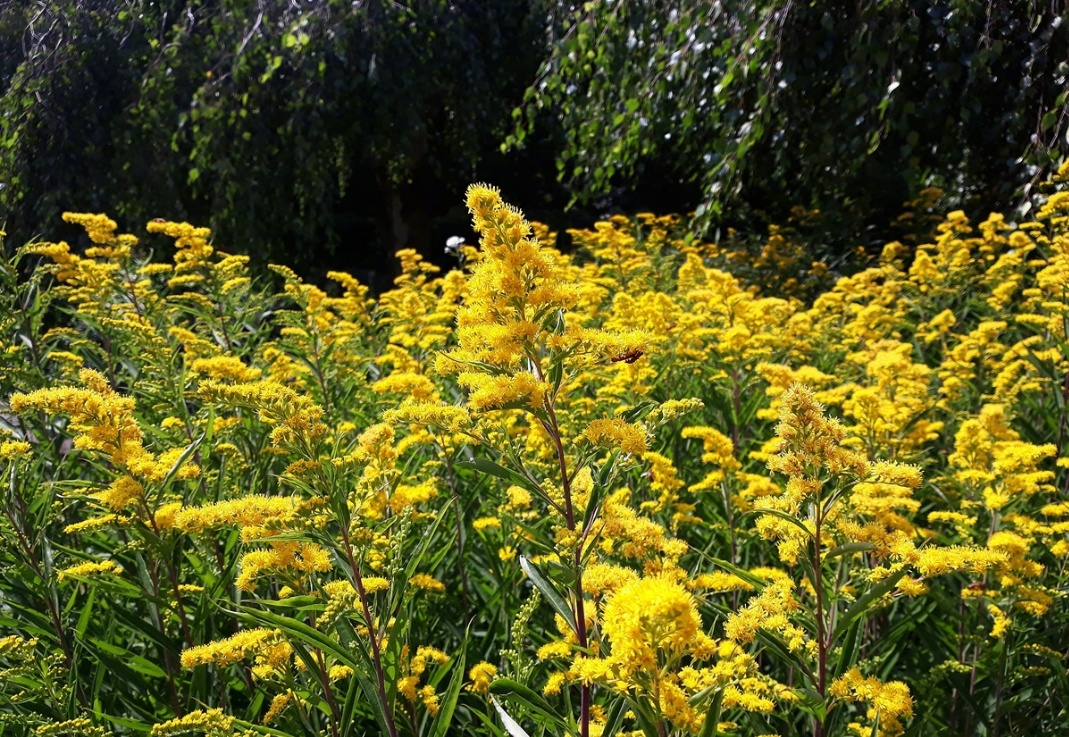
(623, 491)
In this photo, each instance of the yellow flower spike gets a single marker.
(210, 722)
(810, 443)
(498, 392)
(224, 368)
(339, 672)
(554, 684)
(77, 726)
(265, 644)
(718, 450)
(278, 705)
(95, 523)
(770, 611)
(447, 417)
(375, 584)
(89, 568)
(554, 650)
(289, 555)
(416, 386)
(429, 699)
(192, 250)
(600, 579)
(102, 420)
(249, 511)
(100, 228)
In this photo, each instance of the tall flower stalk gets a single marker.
(518, 345)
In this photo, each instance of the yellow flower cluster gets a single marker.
(482, 675)
(415, 667)
(887, 702)
(612, 434)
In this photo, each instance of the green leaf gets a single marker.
(848, 549)
(511, 726)
(615, 717)
(209, 426)
(87, 611)
(756, 581)
(349, 708)
(782, 515)
(260, 728)
(180, 461)
(849, 650)
(712, 717)
(448, 704)
(638, 411)
(304, 633)
(125, 722)
(647, 722)
(860, 606)
(527, 696)
(488, 723)
(560, 606)
(371, 694)
(556, 375)
(484, 465)
(593, 504)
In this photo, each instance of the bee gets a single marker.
(629, 357)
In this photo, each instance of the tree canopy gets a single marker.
(263, 118)
(348, 128)
(836, 104)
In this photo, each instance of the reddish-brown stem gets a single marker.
(168, 658)
(376, 655)
(735, 408)
(580, 609)
(172, 577)
(822, 643)
(553, 429)
(328, 692)
(451, 478)
(29, 552)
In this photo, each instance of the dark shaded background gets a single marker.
(328, 133)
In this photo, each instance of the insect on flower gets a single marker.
(628, 357)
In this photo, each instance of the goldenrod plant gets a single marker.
(639, 489)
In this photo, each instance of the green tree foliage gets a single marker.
(308, 131)
(259, 116)
(783, 103)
